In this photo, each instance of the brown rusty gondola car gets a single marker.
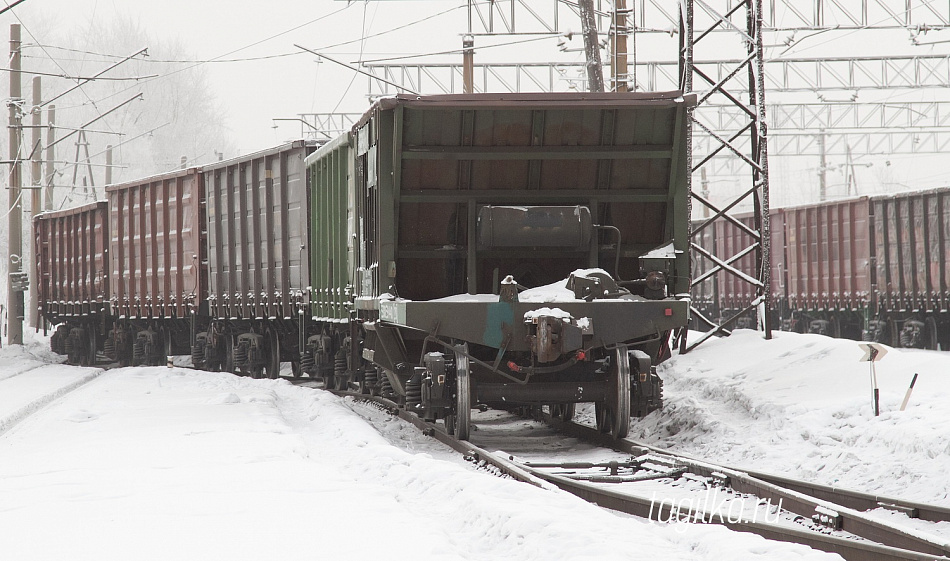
(871, 267)
(72, 271)
(828, 267)
(258, 261)
(722, 295)
(157, 250)
(909, 236)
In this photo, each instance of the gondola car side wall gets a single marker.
(911, 239)
(72, 264)
(258, 263)
(911, 234)
(828, 255)
(157, 246)
(721, 295)
(332, 230)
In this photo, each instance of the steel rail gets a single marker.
(850, 549)
(884, 542)
(795, 495)
(849, 498)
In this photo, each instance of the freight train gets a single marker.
(870, 267)
(448, 252)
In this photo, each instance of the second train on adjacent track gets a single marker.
(875, 268)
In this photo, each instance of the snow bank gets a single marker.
(801, 405)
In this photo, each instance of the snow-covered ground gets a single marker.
(801, 405)
(158, 463)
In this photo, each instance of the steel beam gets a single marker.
(511, 17)
(920, 16)
(830, 74)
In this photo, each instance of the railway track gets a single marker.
(825, 518)
(28, 391)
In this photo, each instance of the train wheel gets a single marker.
(87, 354)
(93, 347)
(930, 333)
(166, 346)
(462, 416)
(229, 354)
(563, 411)
(613, 415)
(272, 365)
(834, 327)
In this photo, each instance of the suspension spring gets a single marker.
(413, 393)
(307, 363)
(138, 351)
(240, 354)
(371, 377)
(385, 388)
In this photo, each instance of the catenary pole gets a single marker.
(36, 198)
(618, 51)
(109, 165)
(15, 214)
(50, 155)
(595, 73)
(468, 64)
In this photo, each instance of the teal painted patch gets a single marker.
(499, 314)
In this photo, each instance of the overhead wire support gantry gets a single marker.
(749, 71)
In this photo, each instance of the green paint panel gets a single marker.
(329, 169)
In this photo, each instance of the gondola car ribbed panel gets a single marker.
(912, 237)
(828, 255)
(735, 292)
(729, 240)
(157, 245)
(71, 248)
(332, 216)
(778, 247)
(257, 234)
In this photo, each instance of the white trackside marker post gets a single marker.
(874, 352)
(909, 390)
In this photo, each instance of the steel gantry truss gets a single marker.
(918, 16)
(744, 21)
(493, 17)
